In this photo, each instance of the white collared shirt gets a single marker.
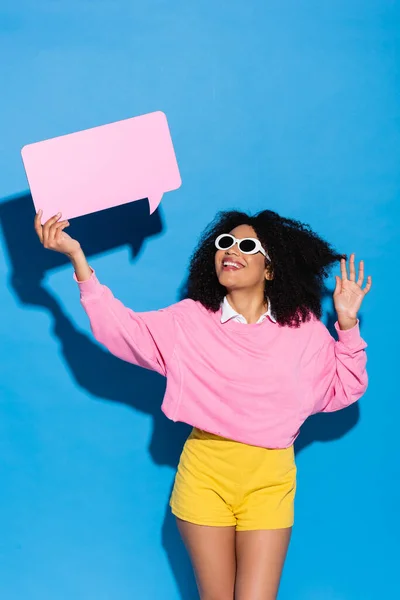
(228, 313)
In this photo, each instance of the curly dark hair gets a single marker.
(300, 260)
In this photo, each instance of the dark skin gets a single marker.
(245, 565)
(230, 564)
(244, 286)
(248, 565)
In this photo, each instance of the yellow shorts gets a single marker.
(220, 482)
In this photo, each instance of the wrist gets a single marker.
(347, 323)
(75, 255)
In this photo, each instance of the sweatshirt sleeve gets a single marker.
(146, 339)
(340, 375)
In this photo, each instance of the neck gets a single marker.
(251, 306)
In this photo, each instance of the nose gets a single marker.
(233, 250)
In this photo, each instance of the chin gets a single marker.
(229, 282)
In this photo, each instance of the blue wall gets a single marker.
(292, 106)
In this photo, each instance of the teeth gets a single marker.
(231, 264)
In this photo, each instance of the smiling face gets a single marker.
(236, 270)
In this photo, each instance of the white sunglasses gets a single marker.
(245, 245)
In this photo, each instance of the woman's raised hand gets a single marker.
(53, 236)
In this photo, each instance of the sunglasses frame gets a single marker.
(258, 246)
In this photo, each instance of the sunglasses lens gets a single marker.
(225, 242)
(247, 246)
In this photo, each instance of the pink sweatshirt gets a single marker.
(253, 383)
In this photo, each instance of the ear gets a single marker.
(269, 274)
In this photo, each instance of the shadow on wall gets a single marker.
(106, 376)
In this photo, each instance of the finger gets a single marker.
(360, 273)
(368, 285)
(62, 227)
(47, 229)
(51, 221)
(53, 230)
(352, 268)
(58, 234)
(61, 223)
(38, 225)
(343, 269)
(55, 226)
(47, 225)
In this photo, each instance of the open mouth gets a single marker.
(231, 265)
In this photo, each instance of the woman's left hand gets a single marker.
(348, 294)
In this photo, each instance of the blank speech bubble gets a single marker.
(102, 167)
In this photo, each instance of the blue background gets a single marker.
(292, 106)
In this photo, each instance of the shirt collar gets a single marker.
(228, 313)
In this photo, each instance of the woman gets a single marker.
(247, 360)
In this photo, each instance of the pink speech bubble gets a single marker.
(105, 166)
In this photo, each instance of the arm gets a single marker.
(340, 376)
(144, 339)
(81, 266)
